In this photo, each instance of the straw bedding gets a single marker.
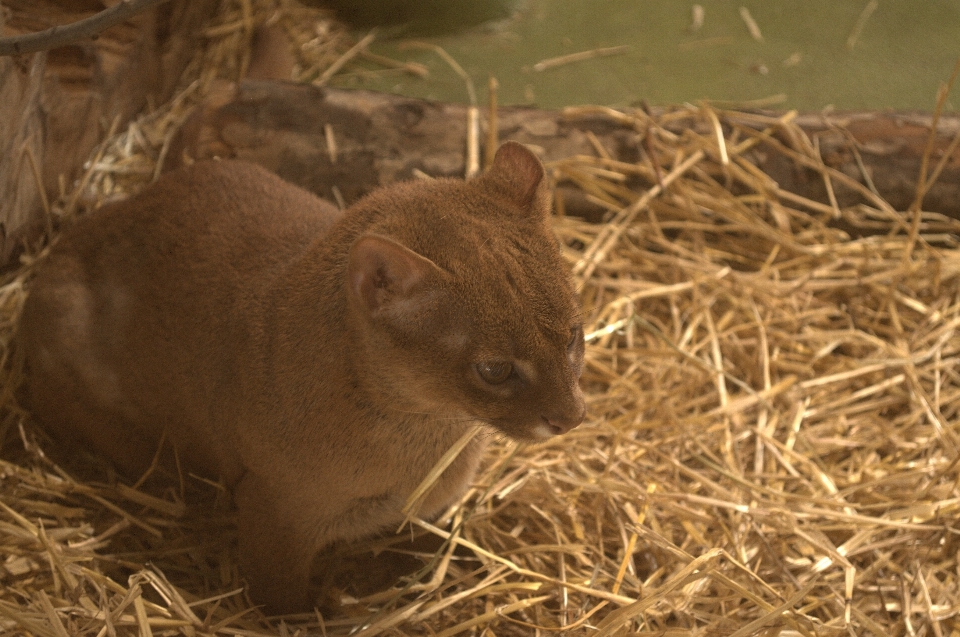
(771, 445)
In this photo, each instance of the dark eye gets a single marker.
(576, 335)
(494, 372)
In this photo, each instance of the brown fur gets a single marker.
(319, 363)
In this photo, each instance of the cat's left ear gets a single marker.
(517, 175)
(391, 282)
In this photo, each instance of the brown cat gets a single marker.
(319, 363)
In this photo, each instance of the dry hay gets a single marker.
(771, 445)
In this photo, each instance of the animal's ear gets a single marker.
(388, 280)
(518, 175)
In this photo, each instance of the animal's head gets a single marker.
(465, 303)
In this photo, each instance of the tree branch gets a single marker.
(79, 30)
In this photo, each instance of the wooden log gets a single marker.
(21, 151)
(890, 146)
(356, 140)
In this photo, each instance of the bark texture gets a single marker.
(357, 140)
(56, 105)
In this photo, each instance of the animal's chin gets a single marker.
(543, 431)
(526, 433)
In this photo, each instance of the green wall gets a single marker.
(904, 51)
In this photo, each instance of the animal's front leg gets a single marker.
(278, 537)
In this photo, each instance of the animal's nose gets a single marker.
(562, 423)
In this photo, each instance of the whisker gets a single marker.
(435, 415)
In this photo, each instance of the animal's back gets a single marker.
(142, 292)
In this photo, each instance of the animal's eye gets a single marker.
(494, 372)
(576, 335)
